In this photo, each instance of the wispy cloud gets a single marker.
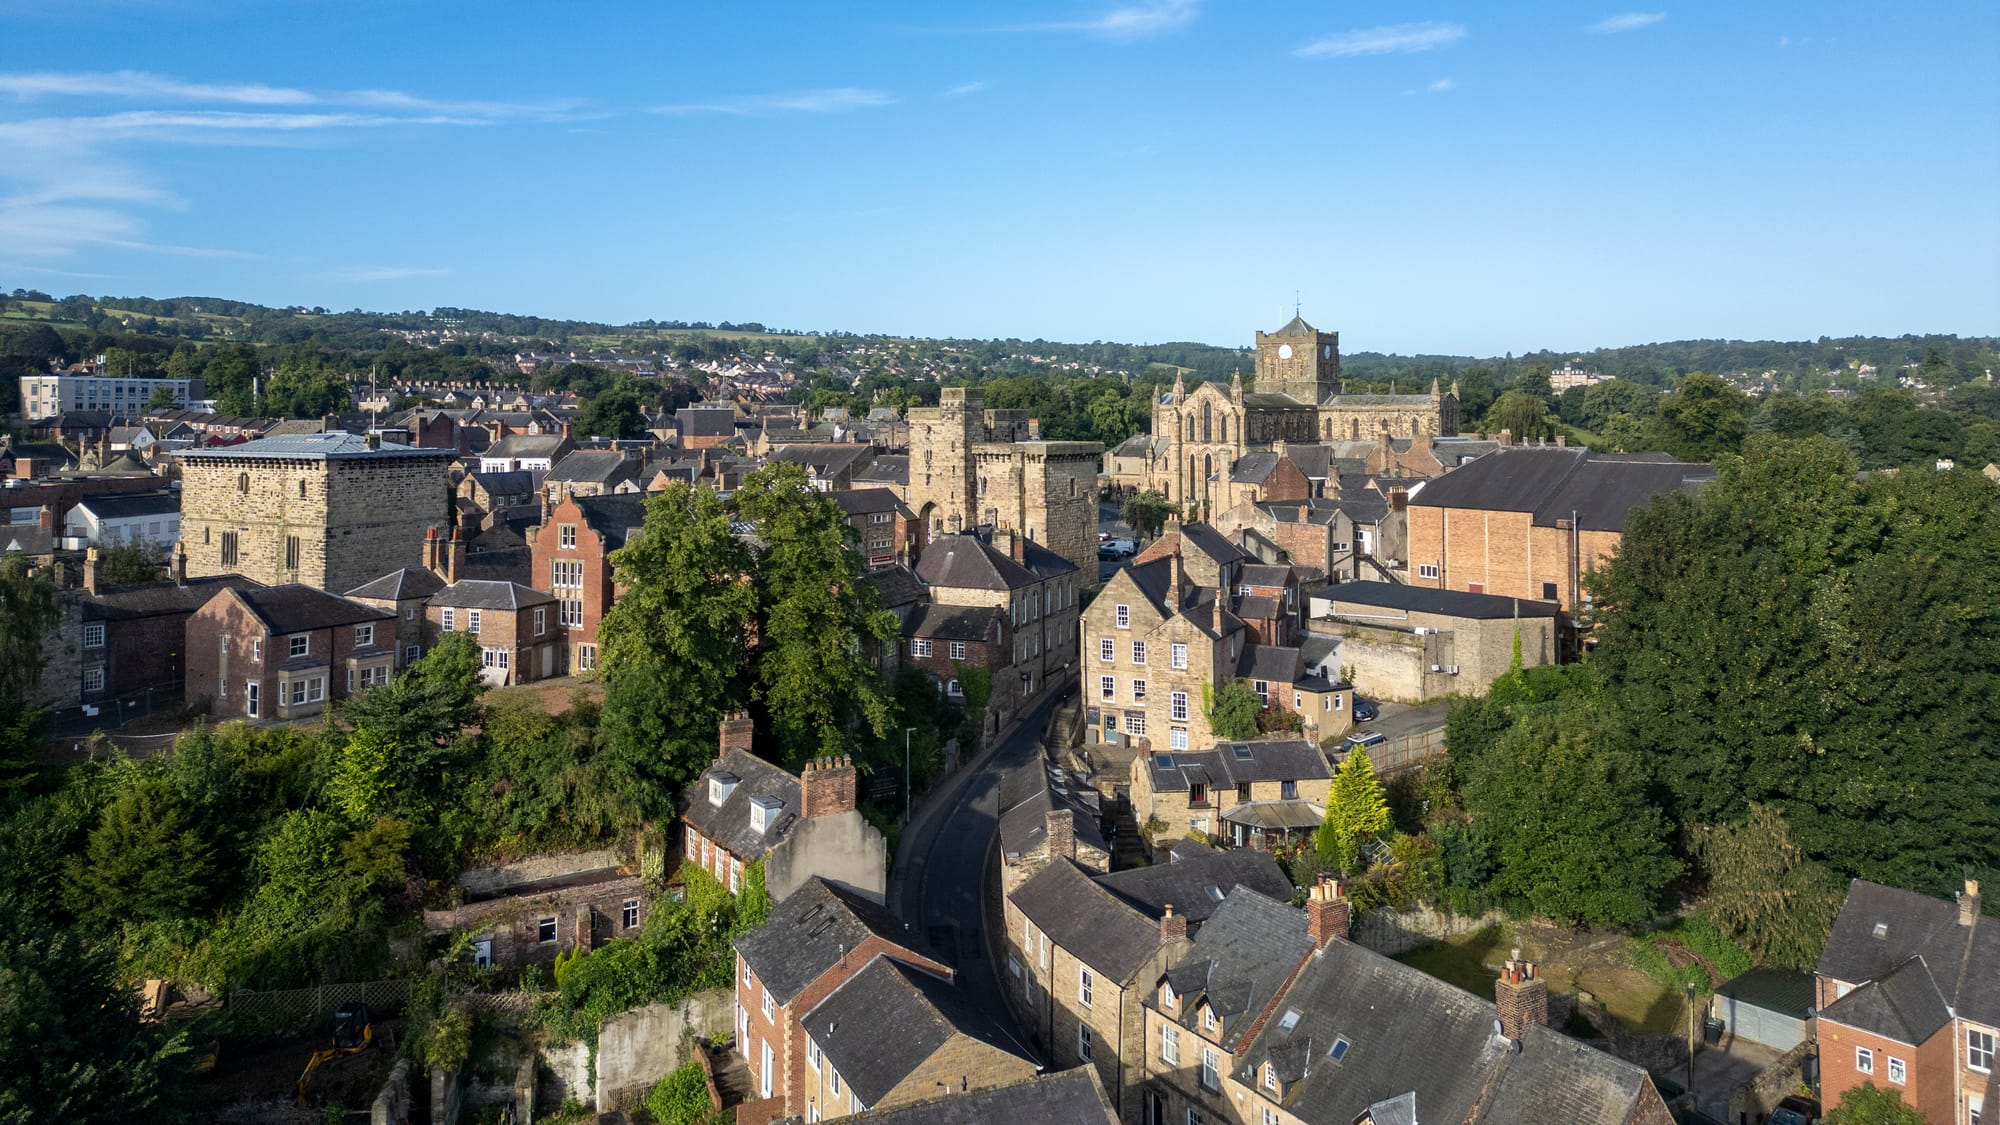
(138, 84)
(1440, 86)
(389, 273)
(964, 88)
(1627, 21)
(843, 99)
(1396, 39)
(1130, 21)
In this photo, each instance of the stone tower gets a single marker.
(942, 480)
(1299, 360)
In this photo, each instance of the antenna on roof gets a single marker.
(1296, 307)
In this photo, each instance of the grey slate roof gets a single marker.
(1960, 958)
(517, 482)
(27, 539)
(592, 466)
(297, 608)
(1028, 795)
(811, 931)
(1419, 599)
(617, 517)
(887, 1020)
(1246, 951)
(1296, 326)
(1097, 927)
(866, 501)
(1197, 884)
(1069, 1097)
(885, 471)
(314, 447)
(729, 823)
(155, 599)
(966, 561)
(897, 585)
(1231, 763)
(1410, 1033)
(1274, 664)
(1906, 1006)
(955, 623)
(705, 421)
(1264, 574)
(131, 505)
(526, 445)
(1552, 482)
(400, 585)
(473, 593)
(1253, 468)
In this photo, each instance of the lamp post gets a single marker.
(907, 732)
(1690, 1002)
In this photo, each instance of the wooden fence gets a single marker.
(297, 1011)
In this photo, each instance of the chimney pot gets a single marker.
(93, 570)
(1968, 904)
(1520, 997)
(828, 789)
(1060, 824)
(1173, 927)
(1327, 912)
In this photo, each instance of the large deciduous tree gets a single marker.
(28, 610)
(1146, 512)
(1702, 419)
(1765, 892)
(676, 642)
(1869, 1104)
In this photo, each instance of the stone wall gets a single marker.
(1394, 932)
(1786, 1075)
(636, 1049)
(566, 1075)
(843, 848)
(392, 1105)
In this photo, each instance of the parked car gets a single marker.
(1362, 739)
(1795, 1110)
(1116, 549)
(1364, 711)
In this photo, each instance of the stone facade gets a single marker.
(973, 468)
(532, 927)
(330, 514)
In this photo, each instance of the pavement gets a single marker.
(1398, 719)
(1719, 1070)
(941, 859)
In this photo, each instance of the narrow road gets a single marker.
(942, 861)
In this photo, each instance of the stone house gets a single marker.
(134, 638)
(1529, 521)
(829, 466)
(1908, 999)
(1069, 1097)
(404, 592)
(704, 427)
(1251, 793)
(531, 453)
(529, 911)
(1411, 643)
(1035, 592)
(813, 942)
(1045, 813)
(571, 553)
(329, 511)
(883, 525)
(283, 652)
(519, 638)
(893, 1035)
(491, 493)
(590, 472)
(744, 810)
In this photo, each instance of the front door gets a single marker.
(548, 661)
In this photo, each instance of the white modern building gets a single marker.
(150, 518)
(44, 396)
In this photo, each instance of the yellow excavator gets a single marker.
(352, 1033)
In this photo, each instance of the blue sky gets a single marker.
(1426, 177)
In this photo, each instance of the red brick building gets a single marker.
(883, 525)
(283, 652)
(1909, 999)
(135, 637)
(572, 563)
(519, 638)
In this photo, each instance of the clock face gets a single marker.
(1284, 351)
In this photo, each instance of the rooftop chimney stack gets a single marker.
(177, 566)
(1521, 997)
(827, 787)
(1327, 912)
(1173, 927)
(1506, 437)
(93, 570)
(735, 732)
(1061, 827)
(454, 563)
(431, 550)
(1968, 904)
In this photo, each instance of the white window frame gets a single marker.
(628, 913)
(1084, 1041)
(93, 635)
(1138, 691)
(1107, 650)
(364, 636)
(1177, 706)
(550, 925)
(1177, 657)
(812, 1053)
(541, 620)
(768, 1006)
(1978, 1043)
(1427, 570)
(1122, 616)
(299, 645)
(566, 536)
(1899, 1072)
(1177, 738)
(1086, 986)
(447, 618)
(472, 621)
(93, 679)
(1138, 652)
(958, 650)
(920, 648)
(1864, 1060)
(252, 698)
(1211, 1070)
(1170, 1045)
(1107, 688)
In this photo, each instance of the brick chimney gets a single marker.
(1326, 912)
(1506, 437)
(735, 732)
(1399, 499)
(431, 550)
(1521, 996)
(177, 565)
(827, 787)
(1173, 927)
(1562, 441)
(1968, 904)
(454, 562)
(46, 518)
(1061, 827)
(93, 570)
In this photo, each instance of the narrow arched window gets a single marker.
(243, 482)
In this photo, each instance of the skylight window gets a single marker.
(1338, 1051)
(1881, 929)
(1243, 753)
(1215, 892)
(1164, 761)
(1290, 1021)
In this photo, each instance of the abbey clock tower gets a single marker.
(1300, 361)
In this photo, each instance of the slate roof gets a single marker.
(729, 823)
(592, 466)
(1028, 794)
(1551, 482)
(1410, 1033)
(517, 482)
(1069, 1097)
(811, 931)
(617, 517)
(1315, 460)
(1205, 539)
(705, 421)
(1257, 607)
(897, 585)
(885, 470)
(1246, 951)
(1413, 402)
(132, 505)
(1264, 574)
(1272, 400)
(339, 445)
(297, 608)
(1906, 1006)
(474, 593)
(966, 561)
(1098, 928)
(867, 501)
(1275, 664)
(400, 585)
(887, 1020)
(1253, 468)
(1197, 883)
(28, 539)
(156, 599)
(955, 623)
(515, 446)
(1959, 958)
(1419, 599)
(1232, 763)
(827, 459)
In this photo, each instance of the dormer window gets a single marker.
(1270, 1078)
(720, 786)
(764, 813)
(1167, 998)
(1208, 1019)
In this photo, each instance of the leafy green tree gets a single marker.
(1476, 391)
(365, 776)
(28, 610)
(1232, 711)
(71, 1044)
(674, 644)
(1146, 512)
(143, 861)
(129, 564)
(614, 413)
(1356, 812)
(1703, 418)
(1779, 904)
(1535, 383)
(1603, 401)
(821, 621)
(1624, 433)
(1869, 1104)
(1525, 416)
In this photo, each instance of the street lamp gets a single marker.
(907, 732)
(1690, 1003)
